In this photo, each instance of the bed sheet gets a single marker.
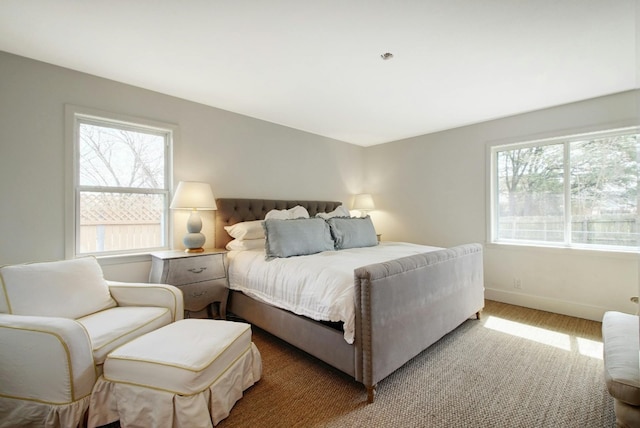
(318, 286)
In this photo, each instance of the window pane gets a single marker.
(530, 194)
(604, 178)
(120, 158)
(120, 221)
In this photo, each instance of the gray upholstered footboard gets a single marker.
(405, 305)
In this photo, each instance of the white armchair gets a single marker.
(58, 322)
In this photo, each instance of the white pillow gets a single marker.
(246, 230)
(67, 288)
(341, 211)
(246, 244)
(292, 213)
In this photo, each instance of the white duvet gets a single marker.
(318, 286)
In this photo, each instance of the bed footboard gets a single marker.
(405, 305)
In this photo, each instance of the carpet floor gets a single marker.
(516, 367)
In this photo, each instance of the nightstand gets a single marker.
(202, 277)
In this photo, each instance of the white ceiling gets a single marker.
(315, 65)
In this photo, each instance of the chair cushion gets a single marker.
(113, 327)
(66, 289)
(621, 356)
(185, 357)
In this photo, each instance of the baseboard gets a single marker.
(563, 307)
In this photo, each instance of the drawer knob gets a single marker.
(197, 270)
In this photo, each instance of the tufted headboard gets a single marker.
(231, 211)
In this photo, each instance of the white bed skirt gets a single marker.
(139, 406)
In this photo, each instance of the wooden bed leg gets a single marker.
(478, 315)
(371, 393)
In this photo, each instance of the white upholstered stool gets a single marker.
(186, 374)
(622, 365)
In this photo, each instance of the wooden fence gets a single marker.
(617, 232)
(120, 237)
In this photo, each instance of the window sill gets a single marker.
(630, 254)
(123, 259)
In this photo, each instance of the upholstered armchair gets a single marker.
(58, 322)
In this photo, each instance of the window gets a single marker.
(121, 180)
(578, 191)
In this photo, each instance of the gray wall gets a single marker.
(443, 178)
(239, 156)
(429, 189)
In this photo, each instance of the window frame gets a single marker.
(76, 115)
(493, 188)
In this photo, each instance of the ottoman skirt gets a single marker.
(186, 374)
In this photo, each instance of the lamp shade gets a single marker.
(193, 195)
(363, 202)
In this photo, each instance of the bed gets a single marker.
(401, 306)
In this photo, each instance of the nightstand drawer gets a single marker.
(200, 294)
(196, 269)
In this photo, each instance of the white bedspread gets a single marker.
(319, 286)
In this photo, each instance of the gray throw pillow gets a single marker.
(296, 237)
(352, 232)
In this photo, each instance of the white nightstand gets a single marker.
(202, 277)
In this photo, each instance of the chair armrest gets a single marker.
(46, 359)
(141, 294)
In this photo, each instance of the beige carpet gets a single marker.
(516, 367)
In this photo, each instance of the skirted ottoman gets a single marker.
(186, 374)
(622, 365)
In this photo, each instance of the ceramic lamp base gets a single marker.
(193, 241)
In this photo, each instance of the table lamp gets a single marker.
(196, 197)
(363, 203)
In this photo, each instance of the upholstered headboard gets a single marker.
(231, 211)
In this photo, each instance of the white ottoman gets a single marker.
(622, 365)
(186, 374)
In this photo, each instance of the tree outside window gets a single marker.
(577, 192)
(122, 187)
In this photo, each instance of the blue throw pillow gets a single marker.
(296, 237)
(352, 232)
